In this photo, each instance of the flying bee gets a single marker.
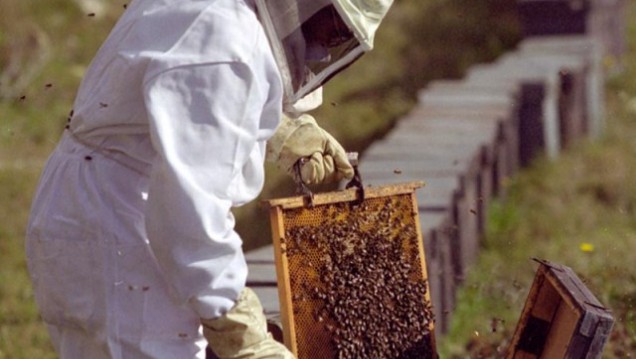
(494, 323)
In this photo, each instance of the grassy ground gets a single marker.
(44, 48)
(579, 211)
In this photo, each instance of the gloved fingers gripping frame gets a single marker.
(310, 41)
(304, 190)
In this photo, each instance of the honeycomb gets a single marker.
(352, 277)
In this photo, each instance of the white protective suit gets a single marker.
(131, 242)
(176, 117)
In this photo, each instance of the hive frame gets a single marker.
(277, 208)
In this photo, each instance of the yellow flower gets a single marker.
(587, 247)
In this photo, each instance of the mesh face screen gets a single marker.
(357, 280)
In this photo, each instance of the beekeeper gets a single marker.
(131, 243)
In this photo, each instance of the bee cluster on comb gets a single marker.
(358, 280)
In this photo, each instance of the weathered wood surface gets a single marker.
(561, 318)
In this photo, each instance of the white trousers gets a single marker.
(96, 281)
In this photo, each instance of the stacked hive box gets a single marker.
(466, 137)
(601, 20)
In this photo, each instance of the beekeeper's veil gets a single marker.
(345, 29)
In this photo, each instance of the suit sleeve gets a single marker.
(204, 124)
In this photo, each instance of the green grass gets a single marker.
(579, 211)
(22, 334)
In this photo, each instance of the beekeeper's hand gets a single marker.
(242, 332)
(324, 159)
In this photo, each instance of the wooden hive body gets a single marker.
(561, 318)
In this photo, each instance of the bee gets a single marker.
(494, 323)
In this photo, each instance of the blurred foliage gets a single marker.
(44, 49)
(418, 41)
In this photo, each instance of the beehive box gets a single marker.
(561, 318)
(352, 275)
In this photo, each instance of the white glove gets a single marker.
(301, 138)
(242, 332)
